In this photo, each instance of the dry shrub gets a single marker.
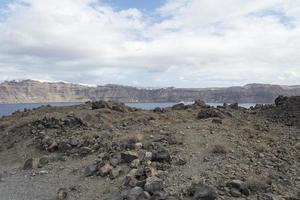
(219, 149)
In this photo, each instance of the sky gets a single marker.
(146, 43)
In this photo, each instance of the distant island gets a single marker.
(30, 91)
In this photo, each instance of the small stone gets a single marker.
(181, 161)
(90, 170)
(235, 192)
(130, 179)
(135, 193)
(115, 172)
(148, 156)
(53, 147)
(105, 170)
(203, 192)
(135, 163)
(43, 172)
(85, 151)
(150, 171)
(129, 156)
(138, 145)
(266, 197)
(32, 163)
(161, 155)
(44, 160)
(62, 194)
(114, 162)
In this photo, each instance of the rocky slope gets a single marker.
(29, 91)
(107, 151)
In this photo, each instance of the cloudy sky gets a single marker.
(183, 43)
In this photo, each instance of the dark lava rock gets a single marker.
(238, 187)
(136, 193)
(100, 104)
(161, 154)
(159, 110)
(129, 156)
(209, 113)
(203, 192)
(234, 106)
(280, 100)
(200, 103)
(179, 106)
(153, 184)
(116, 106)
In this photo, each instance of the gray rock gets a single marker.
(135, 193)
(105, 170)
(153, 184)
(90, 170)
(203, 192)
(235, 192)
(32, 163)
(44, 160)
(266, 197)
(115, 172)
(129, 156)
(85, 151)
(161, 155)
(62, 194)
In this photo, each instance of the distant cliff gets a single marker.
(29, 91)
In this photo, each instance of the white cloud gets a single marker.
(189, 43)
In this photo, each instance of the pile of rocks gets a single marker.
(116, 106)
(142, 167)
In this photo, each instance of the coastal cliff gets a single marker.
(29, 91)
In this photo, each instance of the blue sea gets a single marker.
(8, 109)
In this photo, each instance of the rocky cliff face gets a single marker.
(29, 91)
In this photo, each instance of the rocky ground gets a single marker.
(107, 151)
